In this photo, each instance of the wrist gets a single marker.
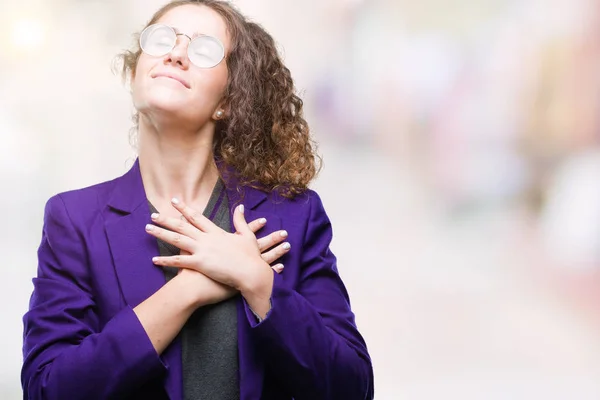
(257, 291)
(187, 287)
(258, 282)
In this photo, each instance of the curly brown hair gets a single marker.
(264, 137)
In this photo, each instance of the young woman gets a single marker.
(153, 285)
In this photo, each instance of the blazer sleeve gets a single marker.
(309, 336)
(67, 354)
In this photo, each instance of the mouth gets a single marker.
(171, 76)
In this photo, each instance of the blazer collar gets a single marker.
(238, 193)
(129, 194)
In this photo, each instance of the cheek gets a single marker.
(212, 86)
(137, 81)
(223, 77)
(137, 91)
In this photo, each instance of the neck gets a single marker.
(177, 163)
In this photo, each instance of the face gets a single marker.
(171, 85)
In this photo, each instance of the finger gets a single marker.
(175, 238)
(174, 261)
(276, 253)
(194, 217)
(278, 268)
(271, 240)
(180, 225)
(239, 221)
(257, 224)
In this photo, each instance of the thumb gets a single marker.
(239, 221)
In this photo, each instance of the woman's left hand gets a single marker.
(233, 259)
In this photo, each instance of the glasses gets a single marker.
(203, 51)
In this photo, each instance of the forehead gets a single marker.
(194, 19)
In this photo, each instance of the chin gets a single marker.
(166, 100)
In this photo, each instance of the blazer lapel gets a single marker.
(251, 362)
(131, 247)
(132, 251)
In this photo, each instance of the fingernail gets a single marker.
(287, 246)
(149, 227)
(175, 200)
(283, 233)
(154, 259)
(154, 216)
(279, 267)
(262, 221)
(241, 208)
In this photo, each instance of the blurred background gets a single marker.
(470, 127)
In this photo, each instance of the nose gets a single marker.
(178, 55)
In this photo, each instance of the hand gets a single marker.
(207, 291)
(206, 248)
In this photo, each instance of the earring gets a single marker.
(219, 114)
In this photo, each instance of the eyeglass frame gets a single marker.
(188, 47)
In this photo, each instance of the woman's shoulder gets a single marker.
(307, 202)
(81, 201)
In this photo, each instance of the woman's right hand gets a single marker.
(207, 291)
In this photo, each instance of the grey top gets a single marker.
(209, 337)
